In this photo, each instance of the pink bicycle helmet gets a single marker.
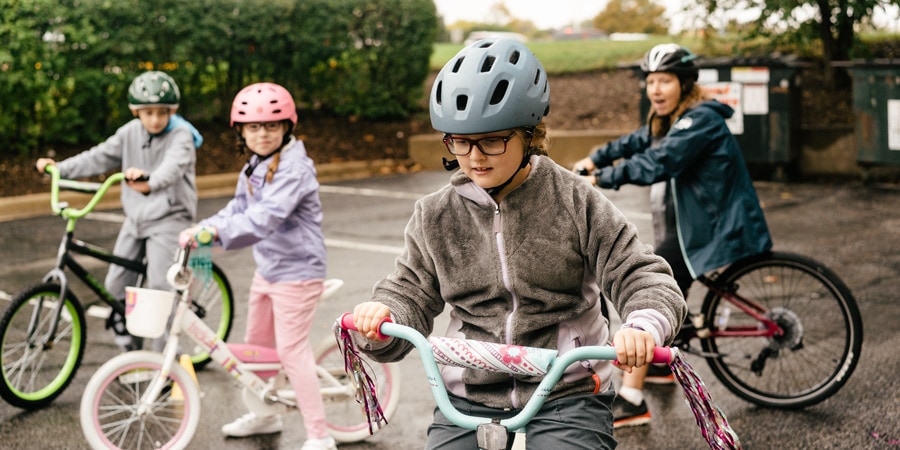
(263, 102)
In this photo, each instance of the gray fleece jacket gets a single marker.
(528, 271)
(169, 158)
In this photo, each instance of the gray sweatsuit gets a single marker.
(152, 221)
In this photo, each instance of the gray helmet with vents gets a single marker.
(490, 85)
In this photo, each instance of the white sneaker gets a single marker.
(320, 444)
(250, 424)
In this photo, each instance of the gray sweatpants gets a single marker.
(575, 422)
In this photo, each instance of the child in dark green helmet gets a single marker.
(158, 144)
(520, 251)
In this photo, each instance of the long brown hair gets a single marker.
(659, 125)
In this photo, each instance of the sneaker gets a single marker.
(320, 444)
(627, 414)
(250, 424)
(659, 374)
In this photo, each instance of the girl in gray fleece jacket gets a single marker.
(523, 252)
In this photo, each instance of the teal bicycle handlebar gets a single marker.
(557, 365)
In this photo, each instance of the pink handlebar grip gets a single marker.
(346, 322)
(662, 355)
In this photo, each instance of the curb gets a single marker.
(208, 186)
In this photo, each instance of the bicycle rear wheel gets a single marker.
(110, 413)
(213, 303)
(36, 366)
(822, 338)
(344, 416)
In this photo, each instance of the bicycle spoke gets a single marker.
(802, 363)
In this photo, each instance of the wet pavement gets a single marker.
(852, 228)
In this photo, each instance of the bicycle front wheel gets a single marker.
(822, 338)
(213, 302)
(112, 416)
(40, 351)
(345, 418)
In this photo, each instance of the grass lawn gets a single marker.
(575, 56)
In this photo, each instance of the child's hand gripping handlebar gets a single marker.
(180, 273)
(484, 355)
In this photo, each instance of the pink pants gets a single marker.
(279, 315)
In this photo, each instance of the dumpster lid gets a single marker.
(868, 63)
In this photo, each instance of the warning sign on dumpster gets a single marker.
(728, 93)
(893, 120)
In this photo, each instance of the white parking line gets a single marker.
(370, 192)
(376, 248)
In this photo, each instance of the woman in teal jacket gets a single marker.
(706, 212)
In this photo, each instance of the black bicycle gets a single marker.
(43, 330)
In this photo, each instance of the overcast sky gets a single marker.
(547, 14)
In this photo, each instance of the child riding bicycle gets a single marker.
(158, 144)
(276, 209)
(522, 251)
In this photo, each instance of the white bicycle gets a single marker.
(145, 399)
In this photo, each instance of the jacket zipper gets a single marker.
(504, 270)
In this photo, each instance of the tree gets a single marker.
(632, 16)
(834, 23)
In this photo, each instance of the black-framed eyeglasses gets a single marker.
(256, 126)
(491, 146)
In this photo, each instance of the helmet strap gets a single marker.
(526, 157)
(450, 165)
(496, 189)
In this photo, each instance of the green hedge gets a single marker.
(65, 65)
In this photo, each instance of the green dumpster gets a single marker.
(876, 109)
(765, 95)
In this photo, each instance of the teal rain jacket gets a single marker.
(717, 211)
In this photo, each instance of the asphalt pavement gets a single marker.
(852, 228)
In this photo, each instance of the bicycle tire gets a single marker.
(214, 305)
(345, 418)
(109, 405)
(35, 372)
(823, 332)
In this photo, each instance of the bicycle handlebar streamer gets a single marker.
(358, 370)
(711, 420)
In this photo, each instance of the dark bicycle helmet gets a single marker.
(152, 89)
(675, 59)
(490, 85)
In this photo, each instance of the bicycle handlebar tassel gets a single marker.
(358, 369)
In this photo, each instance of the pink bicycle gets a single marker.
(131, 401)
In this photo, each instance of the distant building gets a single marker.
(579, 34)
(479, 35)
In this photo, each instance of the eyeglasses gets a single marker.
(256, 126)
(491, 146)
